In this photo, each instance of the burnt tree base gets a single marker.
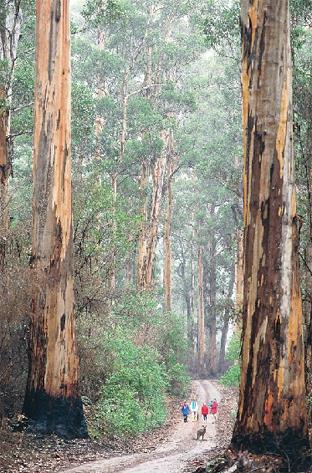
(290, 445)
(55, 415)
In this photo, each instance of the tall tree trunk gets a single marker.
(192, 286)
(52, 400)
(210, 305)
(112, 278)
(167, 241)
(141, 258)
(5, 171)
(272, 411)
(201, 314)
(226, 322)
(308, 262)
(9, 35)
(150, 219)
(158, 182)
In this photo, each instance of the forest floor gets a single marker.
(172, 448)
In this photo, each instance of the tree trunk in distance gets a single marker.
(167, 243)
(141, 258)
(9, 36)
(211, 288)
(150, 220)
(226, 321)
(158, 182)
(272, 412)
(52, 400)
(5, 172)
(201, 314)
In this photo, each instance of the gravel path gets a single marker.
(170, 456)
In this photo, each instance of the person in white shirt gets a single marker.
(194, 410)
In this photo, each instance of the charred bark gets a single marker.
(52, 400)
(272, 412)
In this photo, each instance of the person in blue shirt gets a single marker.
(185, 411)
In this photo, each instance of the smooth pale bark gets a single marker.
(192, 287)
(168, 250)
(201, 313)
(158, 183)
(143, 227)
(150, 219)
(52, 401)
(272, 411)
(167, 239)
(10, 22)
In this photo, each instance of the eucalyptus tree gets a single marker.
(10, 25)
(52, 400)
(272, 412)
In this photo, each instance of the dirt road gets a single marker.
(169, 457)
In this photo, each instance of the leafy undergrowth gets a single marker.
(139, 357)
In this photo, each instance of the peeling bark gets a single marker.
(52, 400)
(272, 411)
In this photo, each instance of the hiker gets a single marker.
(194, 410)
(204, 411)
(214, 408)
(185, 411)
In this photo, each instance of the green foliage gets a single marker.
(133, 398)
(105, 11)
(173, 346)
(234, 348)
(232, 376)
(130, 366)
(221, 24)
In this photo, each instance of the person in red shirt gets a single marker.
(204, 411)
(214, 408)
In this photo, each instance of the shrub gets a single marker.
(232, 376)
(179, 380)
(173, 346)
(133, 398)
